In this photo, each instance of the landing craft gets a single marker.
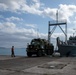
(67, 49)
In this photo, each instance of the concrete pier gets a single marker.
(37, 65)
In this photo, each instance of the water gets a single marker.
(17, 51)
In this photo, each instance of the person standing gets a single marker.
(12, 52)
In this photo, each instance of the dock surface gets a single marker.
(21, 65)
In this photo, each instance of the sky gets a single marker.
(23, 20)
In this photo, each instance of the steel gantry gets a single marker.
(57, 23)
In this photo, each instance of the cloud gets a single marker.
(13, 35)
(11, 5)
(67, 11)
(3, 7)
(10, 35)
(31, 25)
(64, 12)
(38, 8)
(74, 22)
(1, 16)
(32, 8)
(20, 6)
(50, 12)
(12, 18)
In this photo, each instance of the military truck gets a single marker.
(39, 47)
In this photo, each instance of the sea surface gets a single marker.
(17, 51)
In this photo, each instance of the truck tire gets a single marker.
(39, 53)
(29, 54)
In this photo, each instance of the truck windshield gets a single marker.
(35, 43)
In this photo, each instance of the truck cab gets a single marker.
(39, 47)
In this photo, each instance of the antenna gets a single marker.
(74, 32)
(37, 33)
(57, 16)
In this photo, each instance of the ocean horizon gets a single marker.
(17, 51)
